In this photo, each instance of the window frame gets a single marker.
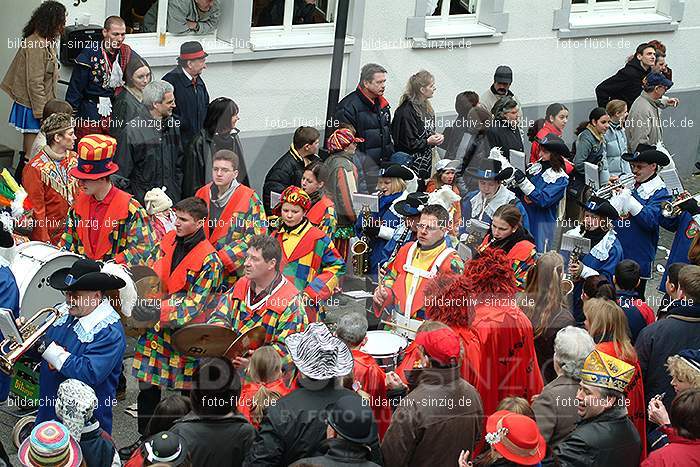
(601, 5)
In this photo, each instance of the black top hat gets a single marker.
(412, 205)
(490, 169)
(601, 207)
(650, 156)
(555, 144)
(396, 171)
(166, 447)
(84, 274)
(352, 419)
(192, 50)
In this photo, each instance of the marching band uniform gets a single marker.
(97, 76)
(280, 311)
(606, 251)
(9, 297)
(49, 187)
(230, 228)
(309, 258)
(519, 249)
(477, 206)
(322, 215)
(89, 348)
(542, 193)
(114, 228)
(409, 207)
(640, 210)
(685, 226)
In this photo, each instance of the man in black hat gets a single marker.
(190, 91)
(606, 251)
(86, 343)
(502, 80)
(640, 210)
(644, 125)
(492, 194)
(349, 432)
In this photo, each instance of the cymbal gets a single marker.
(203, 340)
(148, 287)
(252, 339)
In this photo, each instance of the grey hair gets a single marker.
(503, 105)
(155, 91)
(352, 328)
(368, 71)
(571, 347)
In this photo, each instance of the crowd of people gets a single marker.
(515, 350)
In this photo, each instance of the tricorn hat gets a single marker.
(84, 274)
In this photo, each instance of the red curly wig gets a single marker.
(489, 276)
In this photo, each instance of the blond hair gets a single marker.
(607, 320)
(615, 106)
(683, 372)
(397, 184)
(265, 367)
(413, 91)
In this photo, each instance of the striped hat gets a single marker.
(50, 445)
(95, 153)
(341, 139)
(318, 354)
(293, 195)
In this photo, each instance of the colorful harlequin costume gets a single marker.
(189, 288)
(113, 228)
(519, 249)
(280, 312)
(322, 215)
(49, 187)
(309, 258)
(238, 221)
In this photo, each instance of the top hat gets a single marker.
(50, 445)
(352, 419)
(318, 354)
(605, 371)
(84, 274)
(95, 153)
(192, 50)
(489, 169)
(515, 437)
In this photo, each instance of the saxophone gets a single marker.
(360, 260)
(567, 282)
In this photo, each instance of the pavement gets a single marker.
(125, 425)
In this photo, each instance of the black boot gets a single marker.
(126, 452)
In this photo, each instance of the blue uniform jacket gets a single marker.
(639, 235)
(95, 358)
(386, 219)
(542, 204)
(685, 227)
(9, 298)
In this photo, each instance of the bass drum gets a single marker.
(32, 264)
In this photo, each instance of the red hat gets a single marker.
(293, 195)
(95, 153)
(442, 345)
(341, 139)
(515, 437)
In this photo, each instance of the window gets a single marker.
(454, 7)
(602, 5)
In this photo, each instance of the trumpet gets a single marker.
(608, 190)
(672, 208)
(11, 350)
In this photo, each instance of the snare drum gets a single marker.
(32, 264)
(385, 347)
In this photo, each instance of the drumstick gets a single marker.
(397, 325)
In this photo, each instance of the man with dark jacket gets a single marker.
(294, 428)
(626, 84)
(150, 152)
(289, 168)
(368, 112)
(349, 429)
(605, 435)
(679, 330)
(215, 433)
(190, 91)
(434, 432)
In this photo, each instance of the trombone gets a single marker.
(607, 191)
(670, 209)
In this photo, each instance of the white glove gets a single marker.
(633, 206)
(55, 355)
(619, 201)
(104, 107)
(386, 232)
(526, 186)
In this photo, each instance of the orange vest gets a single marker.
(315, 214)
(118, 211)
(238, 203)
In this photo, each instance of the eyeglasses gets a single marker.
(427, 227)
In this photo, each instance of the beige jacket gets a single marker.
(32, 76)
(643, 124)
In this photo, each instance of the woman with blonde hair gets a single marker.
(545, 302)
(413, 127)
(616, 139)
(265, 385)
(607, 325)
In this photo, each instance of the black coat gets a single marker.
(339, 452)
(126, 108)
(503, 136)
(149, 155)
(191, 105)
(216, 441)
(293, 428)
(410, 132)
(203, 147)
(287, 171)
(626, 84)
(610, 439)
(372, 120)
(666, 337)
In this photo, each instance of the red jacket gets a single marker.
(245, 401)
(680, 452)
(535, 150)
(372, 380)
